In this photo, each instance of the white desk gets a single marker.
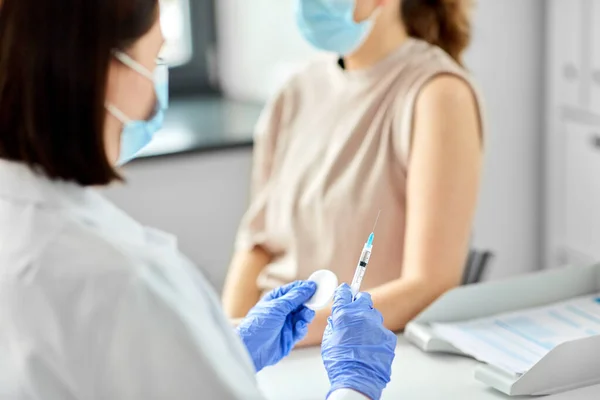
(416, 375)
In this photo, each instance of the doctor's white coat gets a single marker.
(94, 306)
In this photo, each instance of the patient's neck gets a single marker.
(382, 41)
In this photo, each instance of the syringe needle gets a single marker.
(377, 220)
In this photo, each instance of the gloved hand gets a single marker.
(357, 349)
(279, 321)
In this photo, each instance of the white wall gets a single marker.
(201, 198)
(572, 125)
(507, 58)
(259, 46)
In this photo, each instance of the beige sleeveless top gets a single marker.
(332, 150)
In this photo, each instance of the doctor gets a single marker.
(92, 304)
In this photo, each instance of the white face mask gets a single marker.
(138, 134)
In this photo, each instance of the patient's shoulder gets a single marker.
(303, 84)
(317, 69)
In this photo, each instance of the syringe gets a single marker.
(363, 261)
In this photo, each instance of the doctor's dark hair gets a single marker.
(54, 63)
(444, 23)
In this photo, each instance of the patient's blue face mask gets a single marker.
(329, 25)
(137, 134)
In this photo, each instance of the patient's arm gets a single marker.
(240, 292)
(443, 181)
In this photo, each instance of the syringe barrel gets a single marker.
(360, 269)
(365, 256)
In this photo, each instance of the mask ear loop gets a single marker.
(134, 65)
(118, 114)
(137, 67)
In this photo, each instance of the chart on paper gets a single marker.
(516, 341)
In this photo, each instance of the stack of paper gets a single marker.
(516, 341)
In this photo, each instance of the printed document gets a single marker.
(516, 341)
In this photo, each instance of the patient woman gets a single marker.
(390, 122)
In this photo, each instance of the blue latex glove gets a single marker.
(357, 349)
(279, 321)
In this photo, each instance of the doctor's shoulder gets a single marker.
(56, 297)
(75, 262)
